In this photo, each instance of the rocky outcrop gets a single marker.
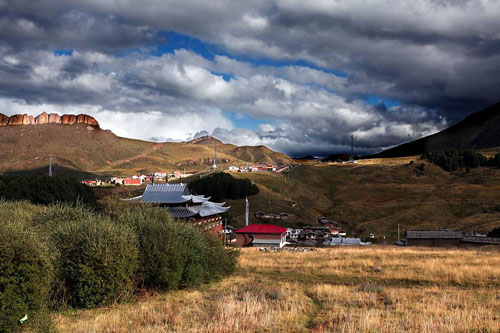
(42, 118)
(85, 119)
(4, 120)
(68, 119)
(45, 118)
(54, 118)
(16, 119)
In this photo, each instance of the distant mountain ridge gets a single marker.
(477, 131)
(46, 118)
(78, 143)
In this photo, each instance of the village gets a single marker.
(198, 210)
(164, 177)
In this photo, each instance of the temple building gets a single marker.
(194, 209)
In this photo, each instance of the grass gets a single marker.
(375, 289)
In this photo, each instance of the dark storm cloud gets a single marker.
(438, 59)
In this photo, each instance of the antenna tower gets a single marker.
(50, 165)
(215, 155)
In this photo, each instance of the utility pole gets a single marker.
(398, 232)
(352, 147)
(225, 231)
(50, 165)
(215, 155)
(246, 212)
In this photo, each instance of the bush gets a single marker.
(453, 160)
(174, 254)
(219, 261)
(220, 186)
(46, 190)
(25, 278)
(96, 262)
(495, 233)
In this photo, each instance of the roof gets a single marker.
(411, 234)
(202, 211)
(482, 240)
(261, 229)
(170, 194)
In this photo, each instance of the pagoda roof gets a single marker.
(169, 194)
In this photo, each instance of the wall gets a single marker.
(434, 242)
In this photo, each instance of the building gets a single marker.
(132, 181)
(96, 182)
(347, 241)
(445, 238)
(433, 237)
(265, 235)
(194, 209)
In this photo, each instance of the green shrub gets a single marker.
(218, 260)
(162, 253)
(222, 185)
(175, 254)
(46, 190)
(96, 262)
(25, 278)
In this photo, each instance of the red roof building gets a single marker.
(131, 181)
(265, 235)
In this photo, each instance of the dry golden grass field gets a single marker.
(373, 289)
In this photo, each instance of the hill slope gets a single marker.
(79, 147)
(476, 131)
(375, 197)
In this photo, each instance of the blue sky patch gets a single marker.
(375, 100)
(174, 40)
(240, 120)
(63, 52)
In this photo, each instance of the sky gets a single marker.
(300, 77)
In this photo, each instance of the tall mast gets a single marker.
(215, 155)
(50, 165)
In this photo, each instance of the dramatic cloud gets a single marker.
(297, 76)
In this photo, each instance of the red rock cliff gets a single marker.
(45, 118)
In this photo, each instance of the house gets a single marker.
(96, 182)
(266, 235)
(347, 241)
(470, 241)
(160, 174)
(132, 181)
(292, 234)
(234, 168)
(433, 237)
(194, 209)
(445, 238)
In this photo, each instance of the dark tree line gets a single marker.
(46, 190)
(220, 186)
(453, 160)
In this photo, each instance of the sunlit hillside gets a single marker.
(375, 196)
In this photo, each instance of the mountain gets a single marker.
(478, 130)
(257, 154)
(78, 144)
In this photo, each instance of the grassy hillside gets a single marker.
(377, 195)
(78, 148)
(375, 289)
